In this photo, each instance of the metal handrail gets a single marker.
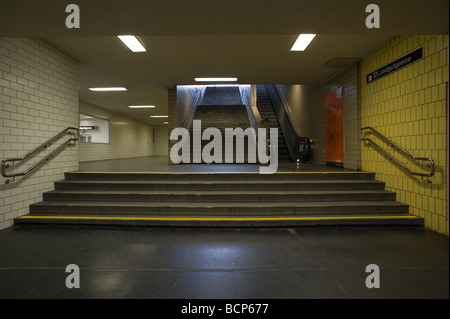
(430, 160)
(252, 110)
(5, 165)
(253, 114)
(283, 112)
(193, 108)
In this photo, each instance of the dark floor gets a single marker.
(161, 164)
(180, 263)
(202, 263)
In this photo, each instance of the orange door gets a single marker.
(334, 135)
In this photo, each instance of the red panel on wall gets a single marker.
(334, 136)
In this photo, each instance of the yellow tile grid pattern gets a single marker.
(410, 108)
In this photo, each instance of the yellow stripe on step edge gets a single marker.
(217, 218)
(212, 173)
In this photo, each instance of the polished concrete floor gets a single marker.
(203, 263)
(161, 164)
(221, 263)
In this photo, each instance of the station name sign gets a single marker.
(398, 64)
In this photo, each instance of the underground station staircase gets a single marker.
(219, 200)
(222, 108)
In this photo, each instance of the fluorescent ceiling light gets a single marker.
(166, 122)
(141, 106)
(132, 43)
(157, 116)
(108, 89)
(302, 42)
(216, 79)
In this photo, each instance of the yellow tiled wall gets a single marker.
(410, 108)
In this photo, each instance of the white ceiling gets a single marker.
(201, 38)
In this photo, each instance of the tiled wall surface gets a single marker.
(127, 137)
(176, 116)
(94, 130)
(38, 99)
(161, 142)
(409, 107)
(307, 106)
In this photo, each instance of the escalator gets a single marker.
(267, 112)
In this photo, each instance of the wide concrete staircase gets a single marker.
(267, 111)
(221, 108)
(219, 200)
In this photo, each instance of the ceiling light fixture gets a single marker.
(216, 79)
(108, 89)
(158, 116)
(132, 43)
(302, 42)
(141, 106)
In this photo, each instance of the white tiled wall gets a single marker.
(98, 132)
(161, 140)
(127, 137)
(38, 99)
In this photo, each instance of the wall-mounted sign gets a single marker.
(398, 64)
(88, 127)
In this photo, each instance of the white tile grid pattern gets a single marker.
(38, 99)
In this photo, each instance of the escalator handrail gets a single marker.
(291, 135)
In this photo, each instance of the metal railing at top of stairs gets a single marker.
(253, 113)
(430, 163)
(5, 162)
(193, 108)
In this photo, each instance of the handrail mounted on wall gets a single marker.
(5, 162)
(430, 163)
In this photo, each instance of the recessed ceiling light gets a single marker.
(108, 89)
(132, 43)
(157, 116)
(216, 79)
(166, 123)
(141, 106)
(302, 42)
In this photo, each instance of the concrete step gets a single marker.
(221, 95)
(218, 196)
(215, 177)
(220, 221)
(219, 185)
(219, 208)
(222, 116)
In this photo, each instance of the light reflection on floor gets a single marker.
(161, 164)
